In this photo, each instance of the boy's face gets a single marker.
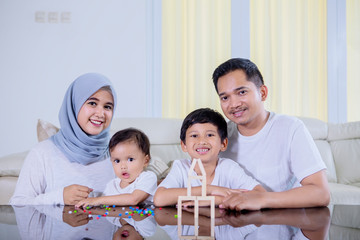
(203, 141)
(96, 113)
(128, 162)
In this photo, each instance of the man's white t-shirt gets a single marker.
(146, 181)
(227, 174)
(279, 156)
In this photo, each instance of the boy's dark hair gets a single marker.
(204, 115)
(250, 69)
(128, 135)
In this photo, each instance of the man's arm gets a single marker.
(314, 192)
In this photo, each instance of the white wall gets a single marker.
(45, 45)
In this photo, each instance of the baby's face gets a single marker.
(203, 141)
(128, 162)
(127, 232)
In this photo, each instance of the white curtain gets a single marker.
(196, 38)
(353, 59)
(288, 44)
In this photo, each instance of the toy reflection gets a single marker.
(59, 222)
(136, 227)
(132, 229)
(308, 223)
(67, 222)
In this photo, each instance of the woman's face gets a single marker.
(96, 113)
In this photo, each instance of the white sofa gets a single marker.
(339, 145)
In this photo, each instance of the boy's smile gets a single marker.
(202, 150)
(203, 141)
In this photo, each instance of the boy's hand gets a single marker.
(222, 191)
(74, 193)
(202, 203)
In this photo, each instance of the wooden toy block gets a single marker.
(196, 200)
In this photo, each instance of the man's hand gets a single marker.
(74, 193)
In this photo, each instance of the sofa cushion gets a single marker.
(45, 130)
(327, 157)
(346, 155)
(163, 133)
(345, 146)
(7, 188)
(10, 165)
(168, 153)
(350, 130)
(344, 194)
(157, 166)
(154, 128)
(317, 128)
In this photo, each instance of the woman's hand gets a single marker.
(75, 193)
(75, 219)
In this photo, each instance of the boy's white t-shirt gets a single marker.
(279, 156)
(146, 181)
(222, 232)
(227, 174)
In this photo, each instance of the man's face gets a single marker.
(241, 101)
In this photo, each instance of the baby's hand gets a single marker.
(88, 202)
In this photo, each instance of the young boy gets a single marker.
(129, 154)
(203, 136)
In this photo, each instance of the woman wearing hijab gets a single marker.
(72, 164)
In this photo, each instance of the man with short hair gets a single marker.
(277, 150)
